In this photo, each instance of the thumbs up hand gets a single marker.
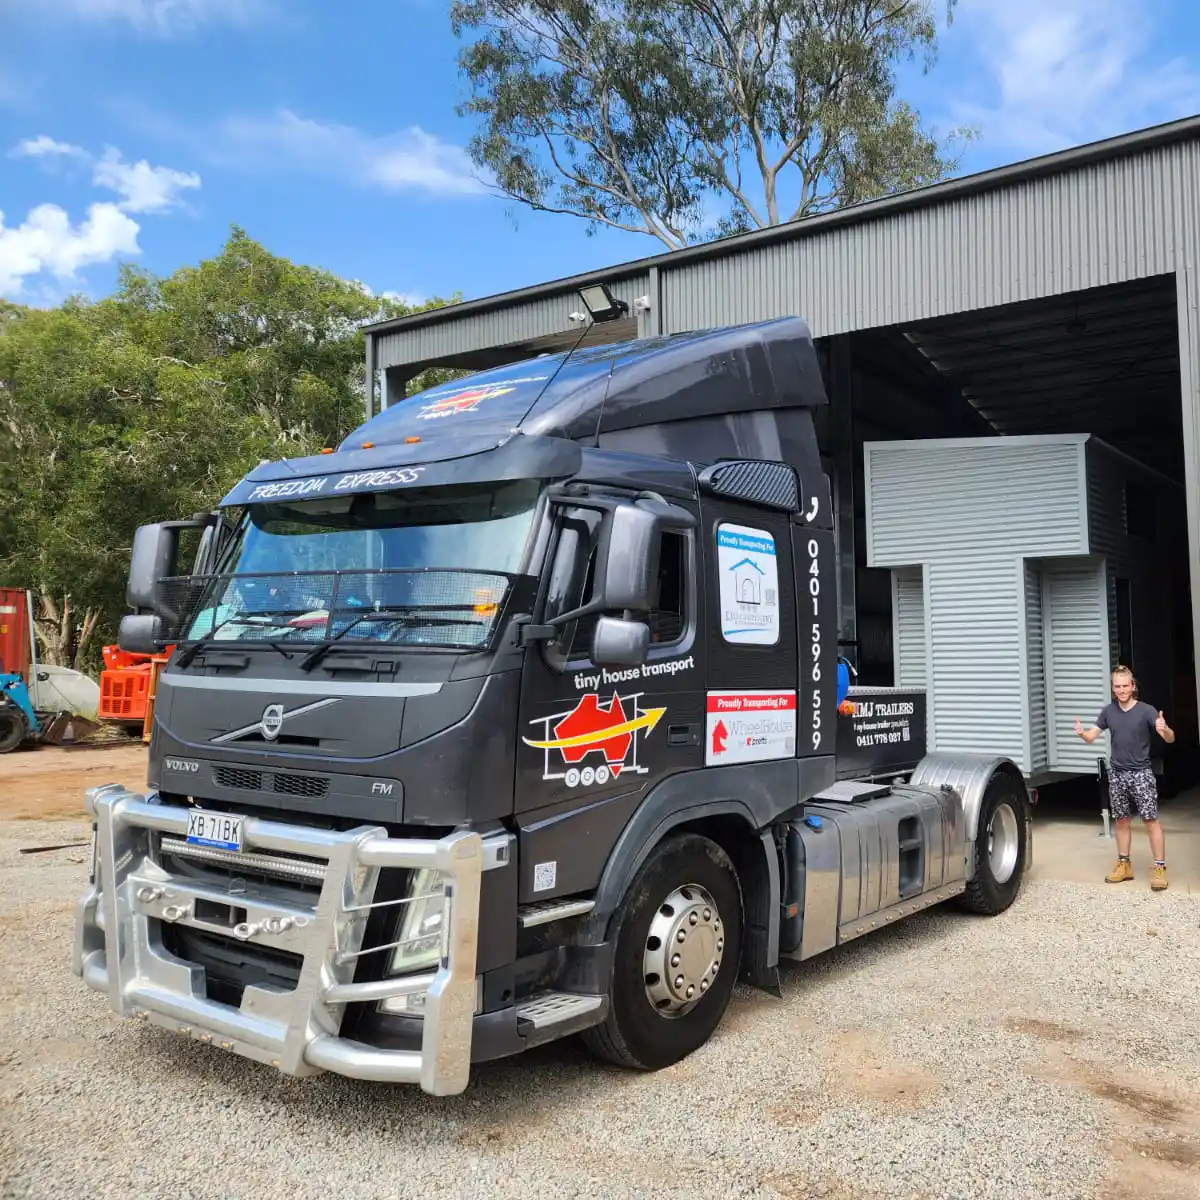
(1160, 725)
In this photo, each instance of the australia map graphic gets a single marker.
(594, 742)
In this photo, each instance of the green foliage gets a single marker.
(151, 403)
(688, 118)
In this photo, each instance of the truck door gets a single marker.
(591, 740)
(752, 659)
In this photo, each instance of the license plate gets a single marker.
(218, 830)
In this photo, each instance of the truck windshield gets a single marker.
(428, 567)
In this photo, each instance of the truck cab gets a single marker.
(517, 717)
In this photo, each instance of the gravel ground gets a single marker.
(1049, 1053)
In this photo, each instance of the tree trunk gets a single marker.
(87, 628)
(62, 642)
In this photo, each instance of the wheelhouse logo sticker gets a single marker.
(749, 574)
(595, 742)
(749, 727)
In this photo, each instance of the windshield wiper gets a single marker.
(240, 618)
(401, 613)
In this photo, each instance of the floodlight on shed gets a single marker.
(601, 303)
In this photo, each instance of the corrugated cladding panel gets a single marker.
(954, 501)
(1076, 644)
(1105, 223)
(909, 621)
(975, 645)
(1035, 668)
(496, 327)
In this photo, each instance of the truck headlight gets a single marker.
(418, 937)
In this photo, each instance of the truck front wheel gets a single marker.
(1000, 845)
(678, 934)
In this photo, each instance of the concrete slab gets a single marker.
(1066, 844)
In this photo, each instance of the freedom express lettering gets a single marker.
(292, 489)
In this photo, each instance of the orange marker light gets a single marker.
(368, 445)
(411, 441)
(484, 605)
(326, 450)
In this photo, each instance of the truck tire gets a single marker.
(13, 728)
(1000, 847)
(678, 934)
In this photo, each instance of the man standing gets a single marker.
(1131, 782)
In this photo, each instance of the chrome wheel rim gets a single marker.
(1003, 842)
(684, 948)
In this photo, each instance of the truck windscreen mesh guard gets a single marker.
(428, 607)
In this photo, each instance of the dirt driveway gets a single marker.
(47, 783)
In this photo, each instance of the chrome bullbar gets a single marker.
(119, 951)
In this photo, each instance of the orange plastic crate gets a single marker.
(123, 693)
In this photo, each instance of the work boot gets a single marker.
(1121, 872)
(1158, 879)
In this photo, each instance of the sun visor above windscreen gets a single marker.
(580, 394)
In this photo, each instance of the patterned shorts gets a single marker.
(1130, 789)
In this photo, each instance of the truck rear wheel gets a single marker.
(1000, 846)
(678, 934)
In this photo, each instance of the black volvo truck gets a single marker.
(516, 718)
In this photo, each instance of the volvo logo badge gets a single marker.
(272, 721)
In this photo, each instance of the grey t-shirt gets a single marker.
(1130, 733)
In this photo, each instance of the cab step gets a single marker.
(548, 1009)
(545, 911)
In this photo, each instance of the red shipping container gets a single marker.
(14, 632)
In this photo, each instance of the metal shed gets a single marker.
(1056, 296)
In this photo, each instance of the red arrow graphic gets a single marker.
(720, 733)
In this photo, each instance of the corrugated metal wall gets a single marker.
(971, 512)
(1035, 670)
(1107, 222)
(1101, 224)
(497, 327)
(1076, 660)
(908, 626)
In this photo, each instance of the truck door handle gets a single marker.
(683, 735)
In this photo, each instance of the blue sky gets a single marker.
(141, 129)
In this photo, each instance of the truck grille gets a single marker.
(248, 780)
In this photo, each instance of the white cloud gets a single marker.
(47, 243)
(1068, 71)
(409, 160)
(45, 147)
(159, 17)
(142, 188)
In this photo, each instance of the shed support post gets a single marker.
(372, 371)
(395, 386)
(1187, 290)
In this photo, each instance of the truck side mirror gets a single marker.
(153, 558)
(628, 560)
(629, 552)
(620, 643)
(155, 550)
(141, 634)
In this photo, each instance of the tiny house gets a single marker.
(1022, 570)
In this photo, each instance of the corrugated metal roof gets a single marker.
(1134, 143)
